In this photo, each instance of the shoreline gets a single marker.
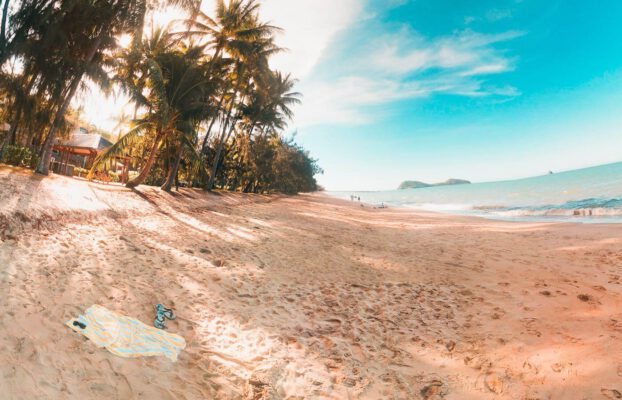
(558, 215)
(308, 296)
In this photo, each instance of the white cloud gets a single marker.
(309, 26)
(407, 52)
(490, 16)
(393, 67)
(343, 101)
(350, 100)
(406, 65)
(498, 15)
(485, 69)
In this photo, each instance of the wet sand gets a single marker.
(302, 297)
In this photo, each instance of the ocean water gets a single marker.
(584, 195)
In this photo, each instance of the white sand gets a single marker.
(302, 297)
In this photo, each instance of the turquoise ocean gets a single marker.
(584, 195)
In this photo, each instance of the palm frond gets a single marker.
(120, 147)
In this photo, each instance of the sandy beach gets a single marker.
(302, 297)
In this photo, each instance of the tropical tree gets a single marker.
(173, 91)
(270, 107)
(234, 32)
(94, 27)
(205, 97)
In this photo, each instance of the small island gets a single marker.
(419, 185)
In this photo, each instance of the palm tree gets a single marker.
(175, 85)
(251, 67)
(230, 32)
(270, 107)
(91, 28)
(3, 31)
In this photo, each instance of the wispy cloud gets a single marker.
(493, 15)
(498, 15)
(344, 100)
(487, 69)
(407, 65)
(308, 28)
(408, 52)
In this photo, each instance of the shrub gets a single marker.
(20, 156)
(34, 160)
(77, 171)
(114, 177)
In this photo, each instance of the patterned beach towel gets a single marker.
(125, 336)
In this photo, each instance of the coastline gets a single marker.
(603, 216)
(306, 296)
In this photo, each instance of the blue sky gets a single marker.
(480, 90)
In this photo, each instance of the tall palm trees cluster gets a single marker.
(209, 110)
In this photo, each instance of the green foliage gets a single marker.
(34, 160)
(77, 171)
(294, 169)
(209, 109)
(114, 177)
(266, 165)
(19, 156)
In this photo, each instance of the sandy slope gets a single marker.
(303, 297)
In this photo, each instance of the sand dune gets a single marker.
(302, 297)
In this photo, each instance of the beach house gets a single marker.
(79, 150)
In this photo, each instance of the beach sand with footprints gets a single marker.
(302, 297)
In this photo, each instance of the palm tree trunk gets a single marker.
(211, 124)
(212, 177)
(172, 171)
(3, 43)
(253, 124)
(46, 149)
(231, 125)
(216, 165)
(210, 68)
(11, 134)
(147, 168)
(221, 144)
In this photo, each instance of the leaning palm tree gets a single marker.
(173, 83)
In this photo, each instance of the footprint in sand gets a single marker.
(561, 367)
(611, 393)
(494, 383)
(434, 390)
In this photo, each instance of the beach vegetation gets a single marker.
(19, 156)
(208, 109)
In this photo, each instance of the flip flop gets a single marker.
(159, 323)
(167, 312)
(162, 313)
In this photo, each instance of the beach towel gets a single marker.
(125, 336)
